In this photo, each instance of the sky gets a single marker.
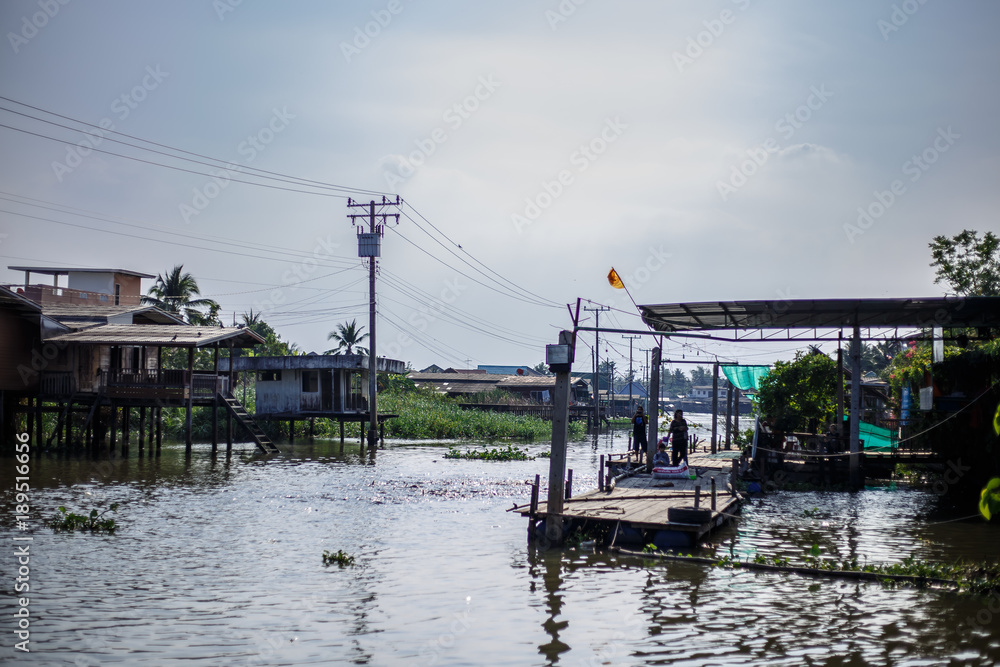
(707, 150)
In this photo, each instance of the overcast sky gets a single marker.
(723, 150)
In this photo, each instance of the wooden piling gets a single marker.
(142, 428)
(600, 474)
(569, 484)
(714, 497)
(697, 495)
(341, 432)
(159, 429)
(126, 427)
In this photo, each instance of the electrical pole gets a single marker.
(370, 246)
(631, 378)
(597, 365)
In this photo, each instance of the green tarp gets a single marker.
(745, 378)
(874, 437)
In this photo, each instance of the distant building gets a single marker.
(509, 370)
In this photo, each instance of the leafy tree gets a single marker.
(542, 368)
(348, 337)
(970, 265)
(174, 293)
(876, 358)
(800, 390)
(273, 345)
(701, 376)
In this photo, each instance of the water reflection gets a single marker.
(219, 562)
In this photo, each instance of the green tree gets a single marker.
(701, 376)
(175, 293)
(797, 391)
(348, 337)
(876, 358)
(273, 345)
(542, 368)
(970, 265)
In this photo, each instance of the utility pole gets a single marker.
(370, 246)
(597, 365)
(631, 378)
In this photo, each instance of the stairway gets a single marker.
(245, 418)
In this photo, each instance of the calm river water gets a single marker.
(219, 562)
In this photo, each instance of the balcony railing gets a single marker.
(143, 383)
(57, 383)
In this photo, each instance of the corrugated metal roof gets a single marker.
(980, 311)
(437, 378)
(101, 312)
(19, 301)
(58, 270)
(167, 335)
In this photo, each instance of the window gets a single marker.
(118, 294)
(310, 382)
(104, 297)
(269, 376)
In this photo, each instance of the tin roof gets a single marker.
(100, 313)
(62, 271)
(979, 311)
(167, 335)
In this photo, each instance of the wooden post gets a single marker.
(569, 484)
(114, 426)
(126, 428)
(159, 429)
(533, 507)
(232, 392)
(715, 407)
(381, 433)
(557, 461)
(600, 475)
(654, 407)
(729, 414)
(142, 427)
(713, 494)
(839, 429)
(736, 413)
(312, 429)
(291, 431)
(697, 495)
(341, 432)
(857, 481)
(69, 424)
(190, 401)
(215, 399)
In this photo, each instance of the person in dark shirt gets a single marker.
(639, 427)
(678, 438)
(661, 458)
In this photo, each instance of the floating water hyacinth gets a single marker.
(989, 501)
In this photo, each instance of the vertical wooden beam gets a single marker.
(840, 391)
(557, 460)
(600, 474)
(569, 484)
(291, 431)
(341, 432)
(142, 428)
(190, 401)
(381, 433)
(736, 412)
(114, 426)
(215, 399)
(857, 481)
(729, 413)
(654, 407)
(715, 407)
(159, 429)
(69, 423)
(126, 427)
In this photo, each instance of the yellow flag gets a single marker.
(615, 281)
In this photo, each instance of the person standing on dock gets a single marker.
(678, 434)
(639, 427)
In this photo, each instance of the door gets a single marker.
(326, 390)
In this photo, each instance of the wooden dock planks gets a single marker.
(644, 503)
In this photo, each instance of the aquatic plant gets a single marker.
(508, 453)
(989, 501)
(340, 558)
(94, 522)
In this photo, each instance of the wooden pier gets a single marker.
(634, 508)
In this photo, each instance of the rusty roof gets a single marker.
(102, 312)
(167, 335)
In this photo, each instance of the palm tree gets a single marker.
(174, 294)
(348, 337)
